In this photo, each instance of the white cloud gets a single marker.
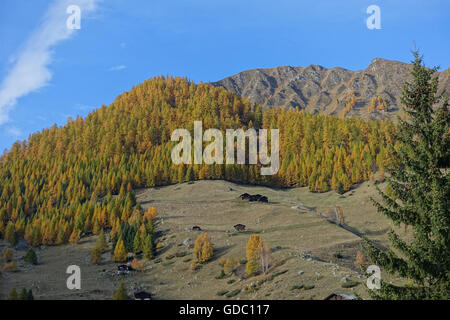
(117, 68)
(14, 132)
(84, 107)
(30, 69)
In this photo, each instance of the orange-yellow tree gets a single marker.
(253, 253)
(203, 250)
(120, 254)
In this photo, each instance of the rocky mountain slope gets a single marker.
(334, 91)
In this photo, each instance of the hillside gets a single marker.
(304, 244)
(329, 91)
(50, 185)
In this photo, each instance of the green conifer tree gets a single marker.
(31, 257)
(121, 293)
(23, 294)
(137, 247)
(148, 247)
(101, 243)
(419, 196)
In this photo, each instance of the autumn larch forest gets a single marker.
(64, 182)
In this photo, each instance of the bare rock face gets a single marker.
(318, 89)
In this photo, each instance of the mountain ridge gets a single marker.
(329, 90)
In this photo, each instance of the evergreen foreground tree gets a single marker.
(417, 196)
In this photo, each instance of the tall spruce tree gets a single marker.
(418, 196)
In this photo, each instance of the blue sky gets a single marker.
(48, 73)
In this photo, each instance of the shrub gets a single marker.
(297, 287)
(221, 275)
(309, 287)
(31, 257)
(10, 267)
(181, 254)
(350, 284)
(361, 260)
(222, 261)
(223, 292)
(137, 264)
(233, 293)
(168, 263)
(278, 273)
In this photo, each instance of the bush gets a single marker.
(223, 292)
(297, 287)
(350, 284)
(309, 287)
(278, 273)
(231, 281)
(360, 260)
(137, 264)
(10, 267)
(181, 254)
(233, 293)
(167, 264)
(222, 275)
(222, 261)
